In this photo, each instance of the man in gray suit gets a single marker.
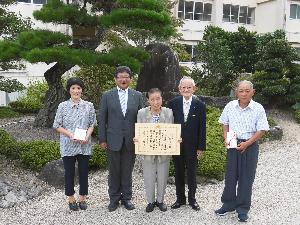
(118, 114)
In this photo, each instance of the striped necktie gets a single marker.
(186, 109)
(122, 94)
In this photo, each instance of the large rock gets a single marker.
(54, 174)
(160, 71)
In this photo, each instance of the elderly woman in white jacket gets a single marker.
(155, 168)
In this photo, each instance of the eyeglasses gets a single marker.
(123, 78)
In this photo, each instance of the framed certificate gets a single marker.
(157, 139)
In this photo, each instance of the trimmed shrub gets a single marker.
(297, 115)
(99, 158)
(25, 106)
(32, 101)
(9, 145)
(7, 112)
(35, 154)
(212, 163)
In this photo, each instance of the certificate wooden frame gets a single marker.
(157, 138)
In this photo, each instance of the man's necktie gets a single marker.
(122, 101)
(186, 108)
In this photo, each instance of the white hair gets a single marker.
(186, 78)
(247, 82)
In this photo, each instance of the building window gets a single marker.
(34, 1)
(191, 50)
(294, 11)
(191, 10)
(238, 14)
(188, 10)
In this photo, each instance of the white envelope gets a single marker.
(231, 139)
(80, 134)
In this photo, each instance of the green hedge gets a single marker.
(99, 158)
(32, 154)
(9, 145)
(25, 106)
(7, 112)
(212, 163)
(297, 115)
(35, 154)
(33, 99)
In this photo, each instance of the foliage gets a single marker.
(183, 55)
(35, 154)
(7, 112)
(296, 106)
(10, 85)
(33, 99)
(9, 145)
(212, 163)
(271, 121)
(11, 25)
(217, 69)
(97, 79)
(297, 115)
(57, 12)
(242, 45)
(99, 158)
(275, 73)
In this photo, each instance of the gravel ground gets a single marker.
(275, 195)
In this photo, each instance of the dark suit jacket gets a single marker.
(113, 126)
(193, 131)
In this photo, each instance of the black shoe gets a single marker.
(243, 217)
(223, 212)
(162, 206)
(150, 207)
(83, 205)
(177, 205)
(195, 206)
(113, 206)
(73, 206)
(128, 205)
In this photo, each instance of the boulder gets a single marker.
(160, 71)
(54, 173)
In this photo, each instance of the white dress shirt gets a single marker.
(244, 121)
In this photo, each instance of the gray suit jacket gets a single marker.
(113, 126)
(166, 116)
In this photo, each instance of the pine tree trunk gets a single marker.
(55, 95)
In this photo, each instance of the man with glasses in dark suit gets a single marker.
(118, 115)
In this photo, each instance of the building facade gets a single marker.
(261, 16)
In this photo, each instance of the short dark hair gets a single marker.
(122, 69)
(72, 81)
(153, 90)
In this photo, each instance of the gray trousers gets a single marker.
(155, 172)
(239, 177)
(120, 167)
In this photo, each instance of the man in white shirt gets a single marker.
(248, 120)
